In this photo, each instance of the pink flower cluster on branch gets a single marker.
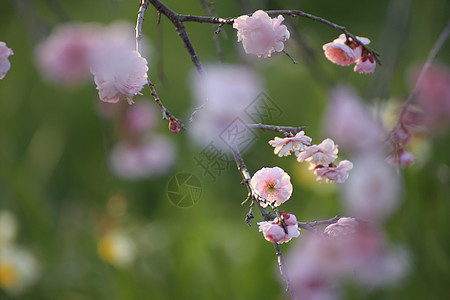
(274, 231)
(343, 51)
(320, 157)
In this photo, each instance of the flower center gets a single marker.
(271, 186)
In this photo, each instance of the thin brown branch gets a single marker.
(166, 115)
(208, 7)
(286, 130)
(318, 223)
(292, 13)
(177, 21)
(288, 55)
(310, 226)
(431, 57)
(284, 271)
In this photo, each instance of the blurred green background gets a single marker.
(54, 147)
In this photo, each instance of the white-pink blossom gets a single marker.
(261, 35)
(273, 185)
(350, 123)
(318, 266)
(5, 65)
(336, 174)
(121, 76)
(64, 57)
(342, 227)
(274, 232)
(344, 51)
(372, 192)
(434, 95)
(339, 53)
(140, 117)
(228, 95)
(284, 146)
(147, 158)
(401, 158)
(323, 154)
(365, 65)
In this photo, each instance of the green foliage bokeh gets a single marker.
(54, 148)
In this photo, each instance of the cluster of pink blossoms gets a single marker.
(274, 232)
(141, 152)
(320, 157)
(260, 34)
(5, 65)
(274, 187)
(343, 51)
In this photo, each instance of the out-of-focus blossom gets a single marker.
(401, 158)
(284, 146)
(323, 154)
(400, 136)
(117, 248)
(273, 185)
(274, 232)
(8, 227)
(434, 95)
(350, 124)
(372, 192)
(260, 34)
(64, 57)
(19, 269)
(342, 227)
(122, 77)
(153, 157)
(226, 95)
(318, 265)
(5, 65)
(365, 65)
(343, 51)
(336, 174)
(140, 117)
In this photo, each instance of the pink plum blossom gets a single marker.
(273, 185)
(63, 58)
(148, 158)
(344, 51)
(284, 146)
(339, 53)
(365, 65)
(372, 192)
(318, 266)
(350, 123)
(140, 117)
(434, 96)
(343, 226)
(401, 158)
(5, 65)
(323, 154)
(261, 35)
(121, 77)
(274, 232)
(224, 98)
(336, 174)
